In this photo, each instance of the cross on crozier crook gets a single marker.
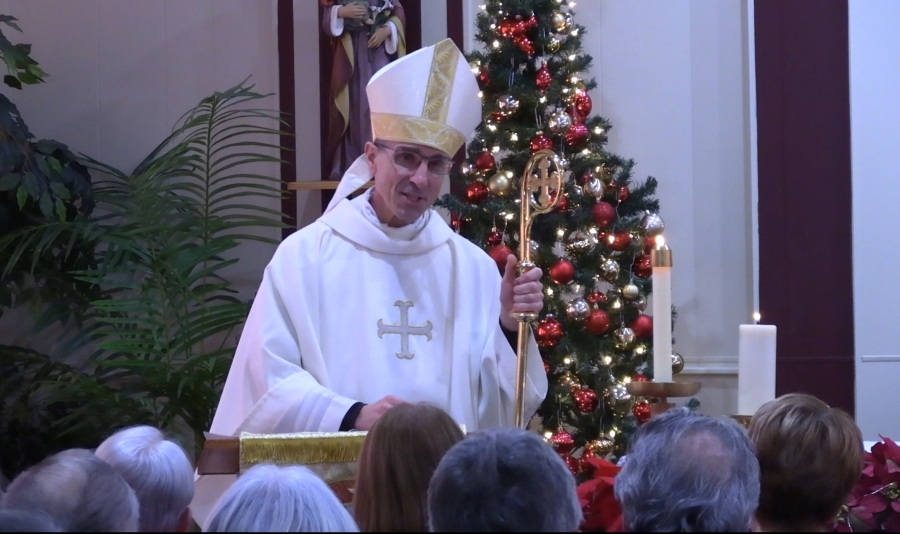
(542, 182)
(404, 329)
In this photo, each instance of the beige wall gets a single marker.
(123, 72)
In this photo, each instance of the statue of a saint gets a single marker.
(366, 35)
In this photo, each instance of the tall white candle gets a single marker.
(756, 366)
(661, 259)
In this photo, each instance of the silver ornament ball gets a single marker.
(630, 291)
(578, 309)
(640, 303)
(609, 270)
(595, 187)
(578, 241)
(508, 104)
(535, 249)
(652, 224)
(677, 363)
(559, 122)
(624, 336)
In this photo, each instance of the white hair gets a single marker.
(78, 491)
(157, 470)
(269, 498)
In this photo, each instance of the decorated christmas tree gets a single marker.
(594, 248)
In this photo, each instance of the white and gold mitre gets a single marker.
(429, 97)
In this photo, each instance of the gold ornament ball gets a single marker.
(677, 363)
(578, 241)
(601, 446)
(608, 173)
(568, 380)
(631, 291)
(553, 43)
(639, 351)
(500, 185)
(558, 21)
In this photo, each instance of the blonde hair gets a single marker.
(810, 456)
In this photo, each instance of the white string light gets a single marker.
(598, 130)
(572, 57)
(514, 137)
(480, 94)
(542, 99)
(482, 7)
(607, 360)
(496, 44)
(574, 32)
(550, 291)
(495, 149)
(492, 127)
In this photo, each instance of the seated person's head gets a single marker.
(26, 521)
(269, 498)
(78, 491)
(503, 480)
(398, 458)
(810, 456)
(158, 471)
(688, 473)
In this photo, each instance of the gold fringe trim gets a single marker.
(416, 130)
(440, 81)
(306, 448)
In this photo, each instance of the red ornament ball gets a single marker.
(640, 378)
(641, 411)
(649, 244)
(583, 103)
(548, 332)
(562, 272)
(507, 27)
(484, 161)
(586, 400)
(563, 203)
(586, 455)
(484, 78)
(524, 44)
(642, 326)
(604, 214)
(496, 116)
(573, 464)
(620, 240)
(562, 441)
(542, 78)
(585, 177)
(597, 298)
(546, 368)
(642, 268)
(477, 192)
(577, 134)
(540, 142)
(597, 322)
(494, 239)
(623, 193)
(456, 221)
(499, 255)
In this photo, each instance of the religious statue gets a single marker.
(366, 36)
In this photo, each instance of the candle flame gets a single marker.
(660, 241)
(756, 316)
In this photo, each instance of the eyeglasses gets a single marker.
(409, 159)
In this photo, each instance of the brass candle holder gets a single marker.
(743, 420)
(662, 391)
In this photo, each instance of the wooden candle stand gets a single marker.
(662, 391)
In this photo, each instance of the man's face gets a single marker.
(406, 181)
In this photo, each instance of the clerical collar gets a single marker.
(363, 203)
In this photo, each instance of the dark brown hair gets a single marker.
(398, 458)
(810, 456)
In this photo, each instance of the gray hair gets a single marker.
(503, 479)
(269, 498)
(78, 491)
(157, 470)
(688, 473)
(26, 521)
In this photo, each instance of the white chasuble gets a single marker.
(346, 313)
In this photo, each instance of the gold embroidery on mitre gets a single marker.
(407, 129)
(440, 81)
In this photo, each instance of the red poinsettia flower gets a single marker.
(598, 502)
(875, 500)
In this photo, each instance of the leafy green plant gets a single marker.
(21, 68)
(40, 180)
(165, 321)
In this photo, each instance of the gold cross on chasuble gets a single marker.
(404, 329)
